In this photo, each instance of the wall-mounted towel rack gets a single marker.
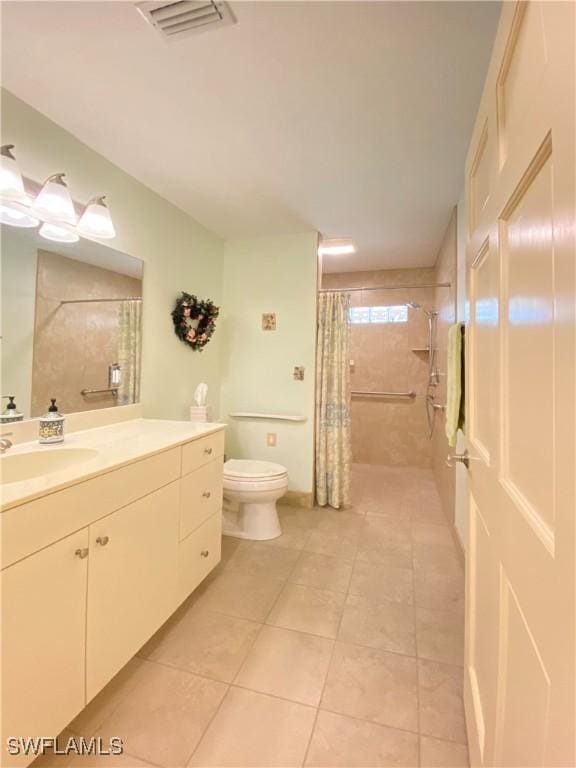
(410, 394)
(268, 416)
(113, 391)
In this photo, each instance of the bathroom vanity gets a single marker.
(102, 539)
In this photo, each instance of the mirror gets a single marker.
(71, 324)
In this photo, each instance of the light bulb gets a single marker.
(58, 234)
(96, 220)
(11, 184)
(53, 203)
(16, 218)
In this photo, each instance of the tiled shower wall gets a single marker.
(389, 431)
(445, 300)
(74, 344)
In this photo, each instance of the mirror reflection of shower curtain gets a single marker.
(333, 438)
(129, 351)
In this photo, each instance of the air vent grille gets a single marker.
(183, 18)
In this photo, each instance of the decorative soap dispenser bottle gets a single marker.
(11, 412)
(51, 425)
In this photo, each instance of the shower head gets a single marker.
(427, 312)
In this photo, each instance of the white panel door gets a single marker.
(520, 642)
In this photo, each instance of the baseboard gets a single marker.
(298, 499)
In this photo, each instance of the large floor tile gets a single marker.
(292, 665)
(322, 572)
(442, 754)
(204, 642)
(108, 761)
(440, 635)
(441, 707)
(94, 714)
(382, 582)
(385, 625)
(332, 543)
(299, 516)
(162, 719)
(241, 594)
(344, 742)
(292, 537)
(334, 521)
(373, 685)
(440, 587)
(428, 533)
(385, 540)
(306, 609)
(263, 560)
(256, 731)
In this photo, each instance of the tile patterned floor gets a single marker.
(338, 644)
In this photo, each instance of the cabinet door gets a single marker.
(132, 583)
(43, 640)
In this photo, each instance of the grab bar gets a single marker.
(410, 394)
(113, 391)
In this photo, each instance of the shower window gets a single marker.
(393, 314)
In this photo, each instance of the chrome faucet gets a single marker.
(5, 443)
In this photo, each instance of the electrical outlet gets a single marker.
(271, 439)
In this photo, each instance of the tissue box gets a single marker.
(199, 413)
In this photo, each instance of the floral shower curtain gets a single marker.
(333, 440)
(130, 322)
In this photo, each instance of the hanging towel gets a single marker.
(455, 383)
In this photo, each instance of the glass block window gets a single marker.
(394, 314)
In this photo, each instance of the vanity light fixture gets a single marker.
(336, 247)
(52, 207)
(58, 234)
(96, 220)
(54, 203)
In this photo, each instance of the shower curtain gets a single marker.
(333, 440)
(130, 321)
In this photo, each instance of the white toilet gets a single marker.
(251, 490)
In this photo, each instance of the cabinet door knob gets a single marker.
(206, 494)
(208, 451)
(102, 540)
(82, 553)
(204, 553)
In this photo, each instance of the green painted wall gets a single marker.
(179, 253)
(270, 274)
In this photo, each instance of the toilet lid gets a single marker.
(246, 469)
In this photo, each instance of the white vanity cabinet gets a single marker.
(43, 639)
(76, 609)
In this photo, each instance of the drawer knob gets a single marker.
(206, 494)
(208, 451)
(102, 540)
(82, 553)
(204, 553)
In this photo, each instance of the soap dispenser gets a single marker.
(51, 425)
(11, 412)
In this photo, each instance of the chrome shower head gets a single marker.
(427, 312)
(413, 305)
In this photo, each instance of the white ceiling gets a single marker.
(352, 118)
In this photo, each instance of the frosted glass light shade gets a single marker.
(15, 217)
(53, 203)
(58, 234)
(11, 184)
(96, 220)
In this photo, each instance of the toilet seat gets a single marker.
(246, 470)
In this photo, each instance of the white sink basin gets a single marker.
(24, 466)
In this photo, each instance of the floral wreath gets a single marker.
(194, 320)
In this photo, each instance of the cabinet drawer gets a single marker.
(200, 452)
(199, 553)
(201, 496)
(31, 526)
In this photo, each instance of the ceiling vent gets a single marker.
(182, 18)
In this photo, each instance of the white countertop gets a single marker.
(117, 445)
